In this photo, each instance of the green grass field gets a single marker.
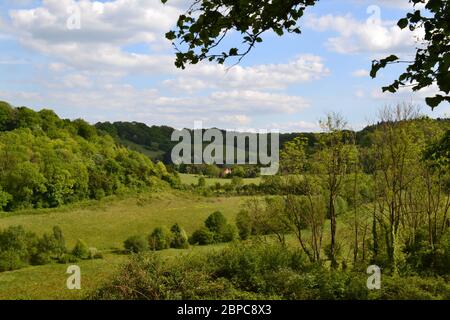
(104, 225)
(193, 179)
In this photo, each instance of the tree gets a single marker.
(179, 237)
(81, 250)
(333, 161)
(396, 149)
(216, 222)
(136, 244)
(160, 239)
(432, 61)
(207, 23)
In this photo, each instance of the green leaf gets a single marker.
(402, 23)
(433, 102)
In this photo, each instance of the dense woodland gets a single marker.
(46, 162)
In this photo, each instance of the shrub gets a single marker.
(18, 247)
(153, 278)
(160, 239)
(81, 250)
(11, 260)
(244, 224)
(179, 237)
(136, 244)
(53, 245)
(216, 222)
(255, 270)
(41, 258)
(228, 233)
(202, 237)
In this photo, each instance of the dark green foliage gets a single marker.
(244, 224)
(216, 222)
(16, 247)
(179, 237)
(50, 246)
(207, 23)
(216, 230)
(19, 248)
(81, 250)
(136, 244)
(228, 233)
(202, 236)
(201, 182)
(160, 239)
(256, 271)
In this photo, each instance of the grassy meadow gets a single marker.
(104, 225)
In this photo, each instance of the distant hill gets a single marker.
(155, 141)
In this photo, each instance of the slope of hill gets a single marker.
(46, 161)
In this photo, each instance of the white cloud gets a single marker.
(77, 81)
(303, 68)
(364, 36)
(360, 73)
(124, 102)
(106, 30)
(238, 119)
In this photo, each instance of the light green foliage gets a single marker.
(160, 239)
(81, 250)
(48, 162)
(179, 237)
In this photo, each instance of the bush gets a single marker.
(202, 237)
(11, 260)
(228, 233)
(81, 250)
(53, 245)
(244, 225)
(136, 244)
(255, 270)
(41, 258)
(17, 247)
(216, 222)
(160, 239)
(179, 237)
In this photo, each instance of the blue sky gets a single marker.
(118, 66)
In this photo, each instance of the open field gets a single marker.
(104, 226)
(193, 179)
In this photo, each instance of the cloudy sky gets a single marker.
(118, 66)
